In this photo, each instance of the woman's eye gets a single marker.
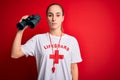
(49, 15)
(58, 15)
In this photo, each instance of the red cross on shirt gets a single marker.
(56, 57)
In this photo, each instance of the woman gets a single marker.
(56, 53)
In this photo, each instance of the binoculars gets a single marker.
(31, 21)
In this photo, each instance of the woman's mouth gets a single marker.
(54, 23)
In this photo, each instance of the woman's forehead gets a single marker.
(55, 8)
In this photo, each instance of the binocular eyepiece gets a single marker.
(31, 21)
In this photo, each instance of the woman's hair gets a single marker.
(55, 4)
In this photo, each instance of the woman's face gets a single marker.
(55, 17)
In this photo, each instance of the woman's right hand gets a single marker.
(23, 17)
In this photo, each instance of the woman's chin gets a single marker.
(53, 27)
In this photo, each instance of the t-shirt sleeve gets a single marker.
(75, 51)
(29, 47)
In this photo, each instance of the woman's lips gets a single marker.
(54, 23)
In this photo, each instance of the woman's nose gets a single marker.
(53, 18)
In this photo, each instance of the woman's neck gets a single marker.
(56, 32)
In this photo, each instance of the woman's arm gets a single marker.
(74, 70)
(16, 51)
(16, 47)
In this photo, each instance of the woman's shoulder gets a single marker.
(71, 37)
(41, 35)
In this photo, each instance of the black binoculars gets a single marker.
(31, 21)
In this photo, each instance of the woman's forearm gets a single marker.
(74, 71)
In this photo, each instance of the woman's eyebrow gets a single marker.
(50, 13)
(56, 13)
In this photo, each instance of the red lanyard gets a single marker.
(51, 41)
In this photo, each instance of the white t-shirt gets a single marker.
(40, 47)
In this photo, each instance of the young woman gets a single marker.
(56, 53)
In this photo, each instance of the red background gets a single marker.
(95, 23)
